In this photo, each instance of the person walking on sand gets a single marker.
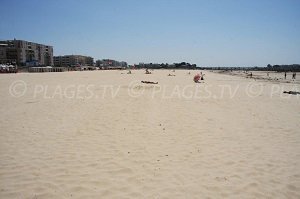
(284, 75)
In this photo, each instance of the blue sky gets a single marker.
(208, 33)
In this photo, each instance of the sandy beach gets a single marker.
(104, 134)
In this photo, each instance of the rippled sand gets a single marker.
(103, 134)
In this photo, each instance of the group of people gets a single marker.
(197, 78)
(293, 75)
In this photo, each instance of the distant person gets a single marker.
(284, 75)
(198, 77)
(202, 76)
(251, 75)
(147, 71)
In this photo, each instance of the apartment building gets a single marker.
(25, 53)
(73, 60)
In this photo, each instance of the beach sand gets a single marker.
(103, 134)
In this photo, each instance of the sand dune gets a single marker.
(104, 134)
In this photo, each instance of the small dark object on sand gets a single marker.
(148, 82)
(171, 75)
(292, 92)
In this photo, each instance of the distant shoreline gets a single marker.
(260, 75)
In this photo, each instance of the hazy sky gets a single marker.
(208, 33)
